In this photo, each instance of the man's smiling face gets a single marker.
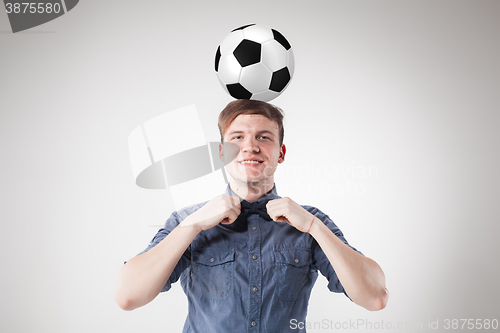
(259, 150)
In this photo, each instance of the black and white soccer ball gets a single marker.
(254, 62)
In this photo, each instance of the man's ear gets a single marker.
(221, 152)
(281, 159)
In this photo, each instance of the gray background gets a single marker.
(408, 90)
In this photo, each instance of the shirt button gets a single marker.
(254, 257)
(296, 261)
(254, 228)
(255, 289)
(254, 323)
(212, 259)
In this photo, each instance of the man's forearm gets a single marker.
(141, 279)
(361, 277)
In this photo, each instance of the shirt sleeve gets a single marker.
(319, 258)
(172, 222)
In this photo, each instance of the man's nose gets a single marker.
(250, 145)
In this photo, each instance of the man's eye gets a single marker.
(264, 137)
(237, 137)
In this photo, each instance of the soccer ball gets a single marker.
(254, 62)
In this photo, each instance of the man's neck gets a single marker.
(251, 191)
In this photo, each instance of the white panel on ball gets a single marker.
(258, 33)
(229, 69)
(291, 62)
(265, 96)
(274, 55)
(222, 83)
(231, 41)
(255, 78)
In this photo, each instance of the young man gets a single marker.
(248, 259)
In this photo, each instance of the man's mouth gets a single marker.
(248, 162)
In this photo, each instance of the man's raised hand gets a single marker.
(223, 209)
(287, 210)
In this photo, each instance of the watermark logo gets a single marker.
(353, 325)
(170, 152)
(328, 325)
(26, 15)
(329, 180)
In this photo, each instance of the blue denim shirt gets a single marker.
(250, 276)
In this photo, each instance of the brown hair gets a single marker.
(247, 106)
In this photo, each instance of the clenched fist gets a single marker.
(223, 209)
(287, 210)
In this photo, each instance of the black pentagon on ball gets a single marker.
(247, 52)
(238, 91)
(281, 39)
(243, 27)
(280, 79)
(217, 59)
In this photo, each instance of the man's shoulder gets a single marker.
(320, 215)
(312, 209)
(184, 212)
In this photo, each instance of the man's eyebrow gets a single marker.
(235, 132)
(265, 132)
(259, 132)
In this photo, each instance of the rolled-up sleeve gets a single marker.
(321, 261)
(171, 223)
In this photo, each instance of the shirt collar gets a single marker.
(271, 195)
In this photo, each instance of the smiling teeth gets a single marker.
(250, 162)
